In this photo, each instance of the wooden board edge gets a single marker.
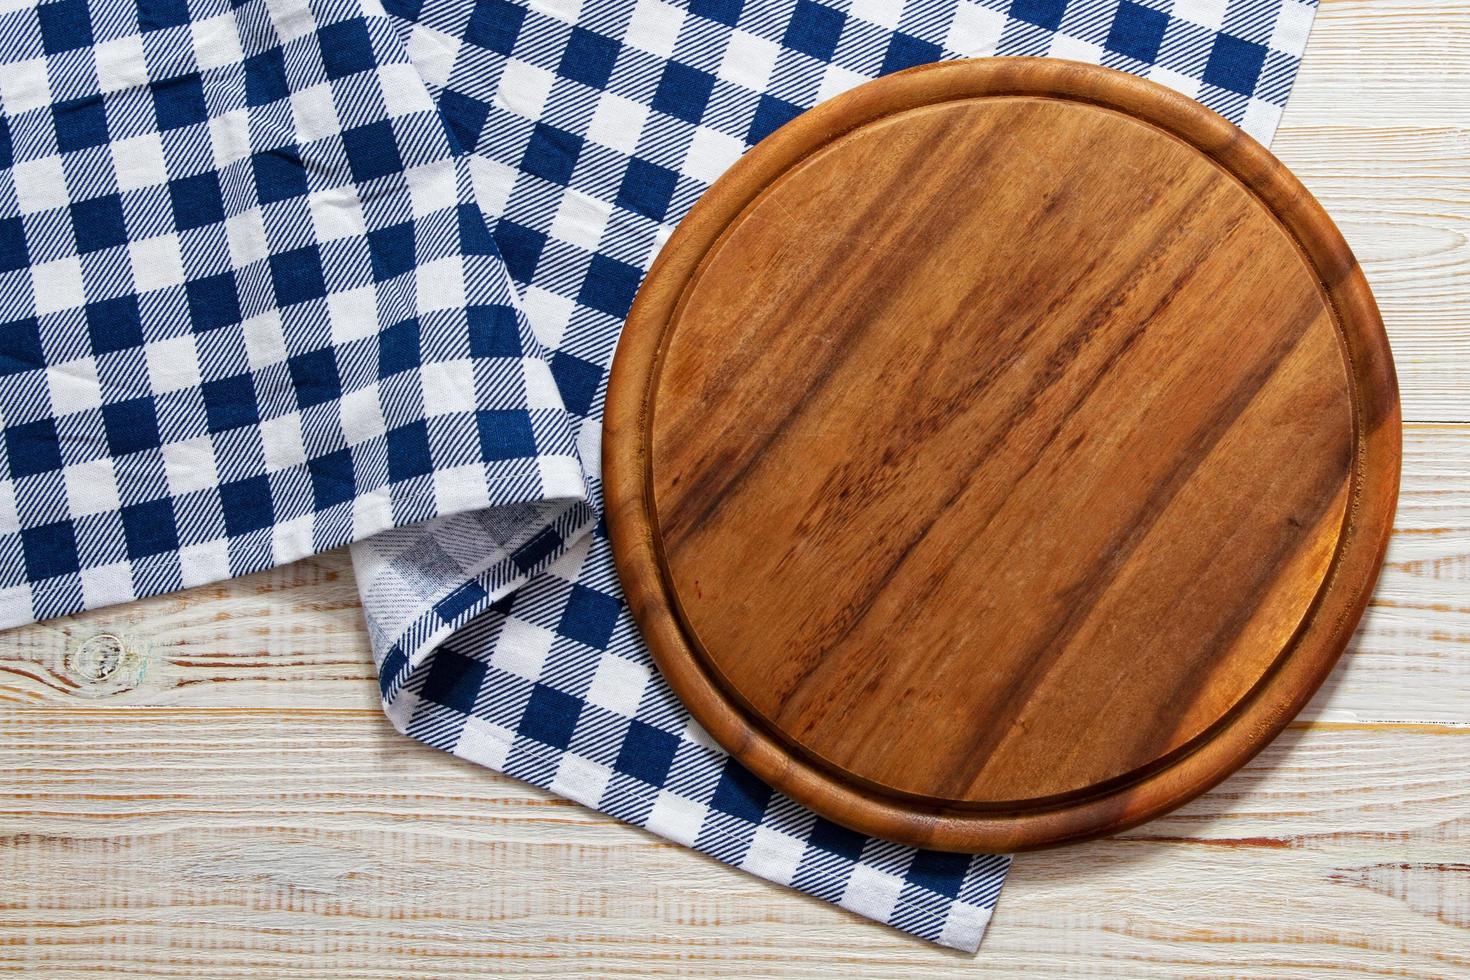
(1279, 695)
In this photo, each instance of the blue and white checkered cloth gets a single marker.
(280, 275)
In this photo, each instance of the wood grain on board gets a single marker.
(246, 810)
(1057, 452)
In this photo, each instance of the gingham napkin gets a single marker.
(277, 275)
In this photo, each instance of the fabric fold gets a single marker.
(594, 125)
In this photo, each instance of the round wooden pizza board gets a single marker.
(1001, 453)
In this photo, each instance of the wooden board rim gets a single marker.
(1280, 694)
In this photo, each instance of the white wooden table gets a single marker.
(246, 809)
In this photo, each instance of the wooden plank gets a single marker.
(291, 637)
(1378, 127)
(1410, 658)
(166, 841)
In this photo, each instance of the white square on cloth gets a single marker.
(190, 465)
(676, 818)
(121, 63)
(172, 364)
(524, 89)
(158, 262)
(749, 60)
(314, 113)
(871, 892)
(617, 122)
(40, 185)
(449, 387)
(91, 487)
(774, 855)
(618, 684)
(655, 27)
(74, 386)
(522, 649)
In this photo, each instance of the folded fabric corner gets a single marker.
(251, 308)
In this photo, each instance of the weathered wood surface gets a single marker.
(247, 811)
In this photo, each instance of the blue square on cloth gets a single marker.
(474, 234)
(13, 252)
(230, 402)
(247, 505)
(544, 545)
(589, 617)
(196, 201)
(683, 92)
(589, 58)
(7, 145)
(346, 48)
(814, 30)
(405, 9)
(465, 118)
(372, 151)
(20, 346)
(1235, 64)
(577, 380)
(265, 78)
(647, 753)
(408, 451)
(149, 529)
(155, 15)
(905, 51)
(99, 223)
(297, 275)
(50, 550)
(391, 250)
(1137, 31)
(398, 348)
(279, 175)
(114, 324)
(725, 12)
(315, 378)
(939, 871)
(131, 426)
(647, 189)
(771, 114)
(65, 25)
(828, 836)
(454, 680)
(610, 286)
(551, 154)
(550, 717)
(179, 102)
(493, 331)
(214, 302)
(494, 25)
(80, 123)
(333, 479)
(1042, 13)
(740, 793)
(505, 435)
(520, 248)
(33, 448)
